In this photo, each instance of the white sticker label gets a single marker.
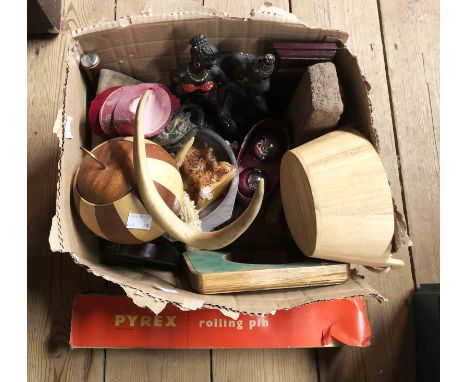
(67, 132)
(139, 221)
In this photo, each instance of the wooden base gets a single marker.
(214, 272)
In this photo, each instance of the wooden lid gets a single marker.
(99, 185)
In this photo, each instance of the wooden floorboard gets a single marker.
(154, 365)
(411, 37)
(146, 7)
(53, 279)
(275, 365)
(260, 364)
(157, 365)
(242, 8)
(391, 322)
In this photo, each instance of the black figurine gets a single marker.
(202, 80)
(238, 110)
(199, 79)
(230, 88)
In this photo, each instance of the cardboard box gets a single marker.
(148, 48)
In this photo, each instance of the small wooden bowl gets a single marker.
(337, 200)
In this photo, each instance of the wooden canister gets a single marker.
(106, 197)
(337, 200)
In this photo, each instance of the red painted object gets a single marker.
(156, 115)
(115, 322)
(112, 112)
(95, 111)
(253, 161)
(106, 121)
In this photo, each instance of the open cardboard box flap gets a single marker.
(148, 47)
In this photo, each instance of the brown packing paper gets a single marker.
(148, 47)
(109, 78)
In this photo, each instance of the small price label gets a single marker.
(139, 221)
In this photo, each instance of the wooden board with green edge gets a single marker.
(215, 272)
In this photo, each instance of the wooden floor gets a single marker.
(397, 45)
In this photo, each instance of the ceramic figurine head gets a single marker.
(202, 53)
(261, 67)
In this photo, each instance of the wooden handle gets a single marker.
(183, 152)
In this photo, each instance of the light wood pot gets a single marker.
(337, 200)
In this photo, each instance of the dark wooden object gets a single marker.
(291, 60)
(43, 17)
(427, 328)
(300, 55)
(159, 253)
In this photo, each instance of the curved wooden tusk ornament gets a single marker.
(166, 218)
(183, 152)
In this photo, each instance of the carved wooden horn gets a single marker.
(166, 218)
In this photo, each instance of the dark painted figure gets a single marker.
(238, 110)
(230, 88)
(199, 79)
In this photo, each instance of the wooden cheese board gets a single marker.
(212, 272)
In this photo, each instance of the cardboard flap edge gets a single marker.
(145, 295)
(265, 13)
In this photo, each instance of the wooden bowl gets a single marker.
(337, 200)
(105, 197)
